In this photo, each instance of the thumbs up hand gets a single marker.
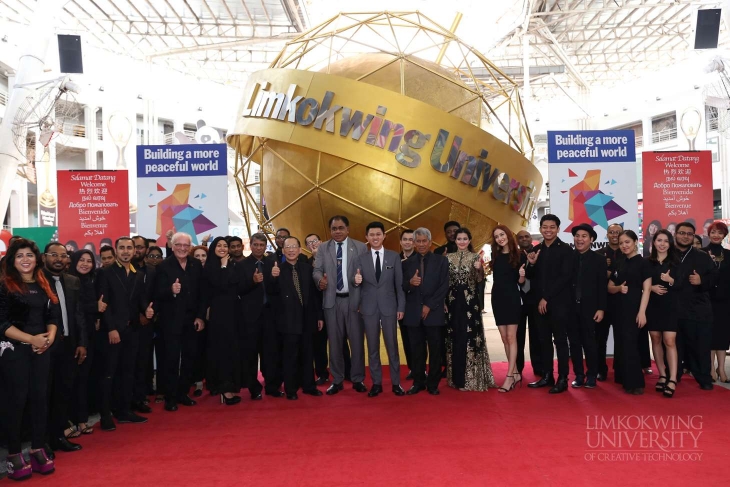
(522, 270)
(624, 288)
(176, 287)
(415, 280)
(695, 278)
(358, 278)
(323, 282)
(275, 271)
(664, 276)
(102, 304)
(149, 313)
(257, 276)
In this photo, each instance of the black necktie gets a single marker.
(377, 266)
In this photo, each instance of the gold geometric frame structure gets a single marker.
(434, 141)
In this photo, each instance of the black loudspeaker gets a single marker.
(707, 30)
(69, 54)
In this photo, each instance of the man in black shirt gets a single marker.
(695, 308)
(529, 312)
(550, 270)
(449, 247)
(613, 256)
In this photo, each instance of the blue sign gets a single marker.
(591, 146)
(155, 161)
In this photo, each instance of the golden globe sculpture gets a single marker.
(356, 117)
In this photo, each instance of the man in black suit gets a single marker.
(529, 312)
(122, 290)
(298, 317)
(589, 304)
(550, 270)
(407, 249)
(259, 337)
(426, 282)
(613, 256)
(279, 237)
(181, 309)
(69, 349)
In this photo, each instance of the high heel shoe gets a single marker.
(40, 463)
(659, 387)
(230, 401)
(667, 391)
(502, 389)
(518, 381)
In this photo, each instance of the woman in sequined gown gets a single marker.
(467, 359)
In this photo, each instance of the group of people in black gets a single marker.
(77, 339)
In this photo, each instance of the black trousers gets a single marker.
(643, 343)
(319, 351)
(117, 384)
(144, 357)
(259, 339)
(64, 370)
(406, 344)
(603, 329)
(552, 328)
(528, 314)
(420, 336)
(582, 338)
(181, 346)
(200, 362)
(694, 342)
(297, 362)
(25, 378)
(80, 406)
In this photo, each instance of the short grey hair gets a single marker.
(425, 232)
(180, 235)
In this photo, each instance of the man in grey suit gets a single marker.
(340, 298)
(379, 276)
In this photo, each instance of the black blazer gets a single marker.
(431, 292)
(594, 291)
(176, 310)
(124, 296)
(74, 308)
(252, 294)
(551, 278)
(291, 316)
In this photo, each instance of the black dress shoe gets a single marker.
(130, 417)
(434, 392)
(292, 397)
(415, 390)
(601, 377)
(107, 423)
(63, 444)
(578, 382)
(49, 452)
(256, 397)
(275, 394)
(560, 386)
(398, 391)
(170, 405)
(334, 389)
(546, 380)
(359, 387)
(313, 392)
(321, 381)
(141, 407)
(186, 401)
(706, 387)
(410, 375)
(375, 390)
(590, 383)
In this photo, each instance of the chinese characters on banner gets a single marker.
(677, 188)
(93, 208)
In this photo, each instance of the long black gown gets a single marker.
(224, 362)
(720, 296)
(467, 359)
(634, 272)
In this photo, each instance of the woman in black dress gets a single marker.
(631, 282)
(508, 268)
(720, 296)
(29, 315)
(661, 314)
(223, 370)
(467, 359)
(83, 266)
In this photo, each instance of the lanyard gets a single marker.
(685, 255)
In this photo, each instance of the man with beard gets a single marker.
(529, 310)
(603, 328)
(181, 309)
(550, 270)
(69, 349)
(140, 251)
(259, 337)
(695, 308)
(235, 248)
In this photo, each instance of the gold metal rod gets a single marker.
(454, 26)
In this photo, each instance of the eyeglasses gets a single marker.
(154, 257)
(312, 242)
(291, 246)
(683, 233)
(182, 246)
(54, 255)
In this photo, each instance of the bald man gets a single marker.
(529, 308)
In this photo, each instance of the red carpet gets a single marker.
(458, 438)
